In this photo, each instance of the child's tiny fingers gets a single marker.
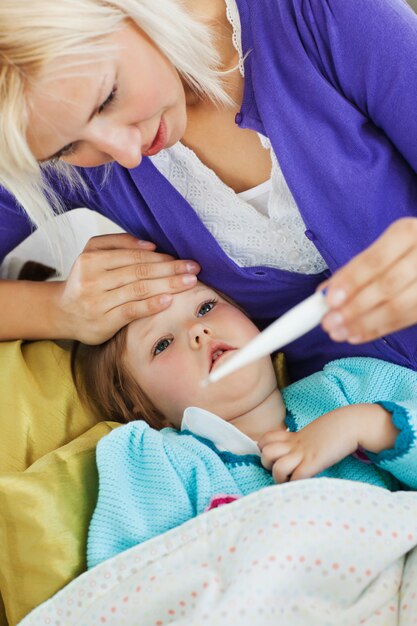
(272, 452)
(283, 468)
(273, 436)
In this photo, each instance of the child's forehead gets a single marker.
(180, 303)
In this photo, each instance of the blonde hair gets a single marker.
(33, 33)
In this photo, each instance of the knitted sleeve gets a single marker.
(143, 491)
(395, 388)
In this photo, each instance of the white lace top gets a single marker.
(260, 226)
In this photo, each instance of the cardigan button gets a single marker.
(310, 235)
(238, 118)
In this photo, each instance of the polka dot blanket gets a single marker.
(318, 552)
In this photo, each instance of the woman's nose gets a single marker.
(199, 334)
(122, 143)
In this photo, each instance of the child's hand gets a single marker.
(326, 441)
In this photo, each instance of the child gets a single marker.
(154, 476)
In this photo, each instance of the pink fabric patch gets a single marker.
(220, 500)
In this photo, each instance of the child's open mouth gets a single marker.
(217, 352)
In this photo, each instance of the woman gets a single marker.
(195, 104)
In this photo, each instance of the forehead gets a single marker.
(59, 104)
(182, 304)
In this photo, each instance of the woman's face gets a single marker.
(119, 109)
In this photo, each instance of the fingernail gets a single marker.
(339, 334)
(192, 267)
(145, 244)
(356, 339)
(336, 297)
(334, 320)
(165, 299)
(189, 279)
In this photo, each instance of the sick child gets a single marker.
(356, 419)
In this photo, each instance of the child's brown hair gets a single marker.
(106, 385)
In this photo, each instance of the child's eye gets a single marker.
(206, 307)
(161, 345)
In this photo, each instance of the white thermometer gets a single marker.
(296, 322)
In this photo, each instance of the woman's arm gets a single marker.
(115, 280)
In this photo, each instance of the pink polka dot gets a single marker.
(368, 572)
(410, 537)
(404, 607)
(378, 532)
(289, 557)
(317, 562)
(194, 594)
(329, 524)
(171, 612)
(362, 530)
(335, 566)
(232, 549)
(138, 589)
(182, 603)
(113, 609)
(293, 523)
(126, 599)
(311, 522)
(302, 559)
(346, 526)
(352, 569)
(103, 619)
(394, 534)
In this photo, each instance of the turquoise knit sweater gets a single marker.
(151, 481)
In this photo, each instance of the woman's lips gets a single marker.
(159, 142)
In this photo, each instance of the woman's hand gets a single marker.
(115, 280)
(376, 293)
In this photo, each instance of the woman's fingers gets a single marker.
(384, 319)
(133, 310)
(148, 271)
(145, 289)
(117, 241)
(371, 295)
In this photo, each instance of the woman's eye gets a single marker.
(206, 307)
(162, 345)
(110, 98)
(66, 151)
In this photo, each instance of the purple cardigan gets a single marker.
(333, 84)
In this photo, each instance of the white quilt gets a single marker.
(320, 552)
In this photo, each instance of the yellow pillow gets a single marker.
(45, 512)
(39, 408)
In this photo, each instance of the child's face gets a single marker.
(170, 353)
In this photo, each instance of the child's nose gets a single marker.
(199, 334)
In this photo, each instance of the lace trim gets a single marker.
(233, 17)
(247, 236)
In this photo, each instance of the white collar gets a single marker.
(222, 434)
